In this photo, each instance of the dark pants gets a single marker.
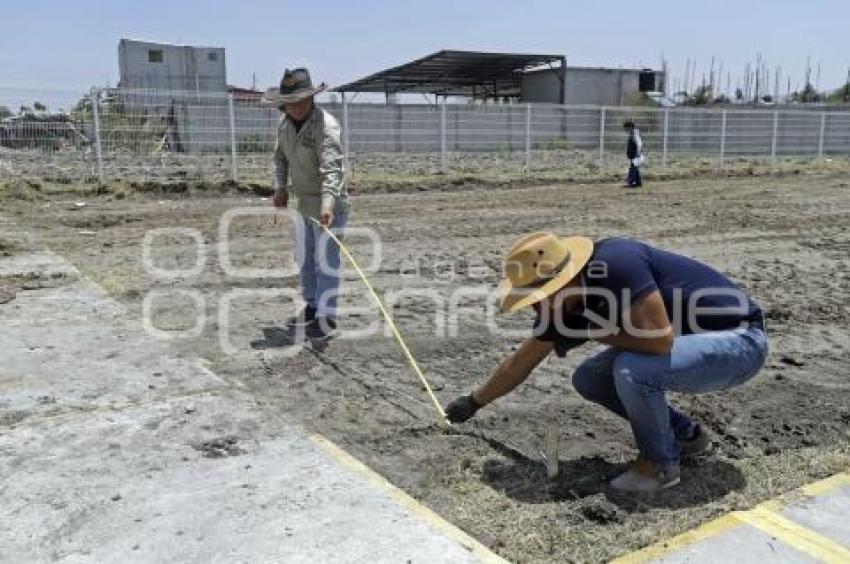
(634, 176)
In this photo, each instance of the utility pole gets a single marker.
(776, 85)
(711, 76)
(758, 76)
(694, 74)
(728, 83)
(817, 80)
(808, 71)
(719, 91)
(846, 96)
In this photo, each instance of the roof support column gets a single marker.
(562, 76)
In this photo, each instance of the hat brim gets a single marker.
(514, 299)
(273, 97)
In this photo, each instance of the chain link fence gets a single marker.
(143, 135)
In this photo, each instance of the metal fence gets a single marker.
(171, 136)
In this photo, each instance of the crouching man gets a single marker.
(309, 152)
(672, 324)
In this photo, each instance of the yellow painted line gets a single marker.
(693, 536)
(481, 552)
(763, 517)
(827, 485)
(790, 533)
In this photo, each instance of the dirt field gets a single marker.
(786, 238)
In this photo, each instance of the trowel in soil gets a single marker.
(551, 439)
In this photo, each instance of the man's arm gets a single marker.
(510, 374)
(281, 175)
(330, 169)
(513, 371)
(647, 327)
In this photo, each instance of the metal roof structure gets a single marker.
(458, 73)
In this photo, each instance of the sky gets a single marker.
(72, 44)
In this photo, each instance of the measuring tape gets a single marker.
(389, 319)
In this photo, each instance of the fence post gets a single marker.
(346, 150)
(95, 107)
(775, 132)
(527, 137)
(443, 163)
(821, 134)
(666, 133)
(234, 165)
(722, 137)
(601, 137)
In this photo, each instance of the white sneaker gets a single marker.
(645, 476)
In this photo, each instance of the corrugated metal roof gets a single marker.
(463, 73)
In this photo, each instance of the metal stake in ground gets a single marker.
(389, 319)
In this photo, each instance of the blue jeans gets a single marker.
(319, 263)
(634, 385)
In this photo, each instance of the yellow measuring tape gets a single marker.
(389, 319)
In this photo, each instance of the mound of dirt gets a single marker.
(22, 189)
(11, 285)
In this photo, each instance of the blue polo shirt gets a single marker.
(621, 271)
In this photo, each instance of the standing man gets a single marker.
(309, 152)
(671, 323)
(634, 152)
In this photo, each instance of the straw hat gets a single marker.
(294, 86)
(540, 264)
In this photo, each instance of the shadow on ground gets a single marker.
(275, 338)
(525, 480)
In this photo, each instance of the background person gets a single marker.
(634, 152)
(309, 152)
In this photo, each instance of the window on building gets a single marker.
(154, 55)
(212, 56)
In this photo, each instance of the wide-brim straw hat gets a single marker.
(540, 264)
(294, 87)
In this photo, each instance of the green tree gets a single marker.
(808, 95)
(840, 96)
(702, 96)
(5, 112)
(39, 107)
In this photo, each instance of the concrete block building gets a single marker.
(162, 66)
(590, 85)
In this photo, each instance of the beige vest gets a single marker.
(312, 158)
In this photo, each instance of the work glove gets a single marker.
(462, 409)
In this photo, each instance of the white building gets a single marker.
(590, 85)
(162, 66)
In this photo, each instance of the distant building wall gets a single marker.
(541, 87)
(160, 66)
(594, 86)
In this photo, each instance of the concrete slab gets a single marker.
(112, 449)
(742, 545)
(220, 482)
(72, 348)
(828, 514)
(811, 524)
